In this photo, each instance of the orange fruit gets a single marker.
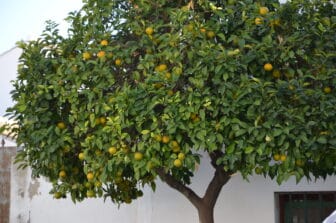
(61, 125)
(89, 176)
(102, 120)
(168, 75)
(258, 21)
(210, 34)
(117, 62)
(57, 195)
(149, 31)
(276, 157)
(283, 157)
(86, 55)
(104, 42)
(268, 67)
(158, 138)
(101, 54)
(98, 184)
(90, 193)
(177, 163)
(81, 156)
(181, 156)
(138, 156)
(202, 30)
(62, 174)
(112, 150)
(263, 11)
(175, 143)
(161, 67)
(165, 139)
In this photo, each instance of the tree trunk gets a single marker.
(205, 205)
(205, 214)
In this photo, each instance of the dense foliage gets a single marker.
(143, 86)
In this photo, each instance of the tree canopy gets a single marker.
(139, 89)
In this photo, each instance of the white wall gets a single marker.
(239, 202)
(8, 65)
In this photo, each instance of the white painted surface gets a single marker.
(239, 202)
(8, 67)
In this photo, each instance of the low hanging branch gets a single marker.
(213, 190)
(177, 185)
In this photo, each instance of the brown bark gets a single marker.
(205, 205)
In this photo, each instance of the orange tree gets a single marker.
(140, 88)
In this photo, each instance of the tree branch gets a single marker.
(177, 185)
(220, 178)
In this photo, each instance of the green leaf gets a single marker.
(249, 149)
(145, 132)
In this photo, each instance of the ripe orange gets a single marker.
(283, 157)
(112, 150)
(138, 156)
(61, 125)
(202, 30)
(177, 163)
(89, 176)
(258, 21)
(149, 31)
(81, 156)
(263, 11)
(104, 42)
(268, 67)
(62, 174)
(165, 139)
(101, 54)
(161, 67)
(276, 157)
(86, 55)
(118, 62)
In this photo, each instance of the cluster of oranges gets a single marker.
(102, 54)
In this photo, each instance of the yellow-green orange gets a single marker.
(112, 150)
(177, 163)
(81, 156)
(138, 156)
